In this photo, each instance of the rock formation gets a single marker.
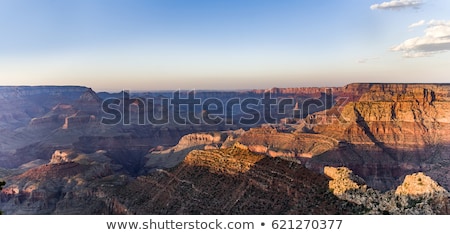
(392, 130)
(170, 157)
(56, 156)
(343, 180)
(418, 194)
(418, 184)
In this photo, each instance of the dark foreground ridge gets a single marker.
(233, 181)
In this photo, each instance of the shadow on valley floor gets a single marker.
(386, 170)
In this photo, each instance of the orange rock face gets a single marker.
(390, 131)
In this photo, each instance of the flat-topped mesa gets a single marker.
(399, 91)
(269, 141)
(12, 92)
(370, 92)
(197, 139)
(296, 90)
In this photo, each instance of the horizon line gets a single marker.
(216, 89)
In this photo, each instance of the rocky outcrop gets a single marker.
(170, 157)
(419, 184)
(77, 120)
(270, 141)
(45, 122)
(15, 92)
(343, 180)
(61, 156)
(196, 139)
(418, 194)
(54, 118)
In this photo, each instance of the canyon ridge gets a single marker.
(359, 149)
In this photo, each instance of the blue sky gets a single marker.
(233, 44)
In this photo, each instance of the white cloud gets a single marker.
(435, 40)
(417, 24)
(397, 4)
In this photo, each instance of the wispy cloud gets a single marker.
(436, 40)
(366, 60)
(397, 4)
(417, 24)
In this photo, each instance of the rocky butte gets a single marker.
(376, 149)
